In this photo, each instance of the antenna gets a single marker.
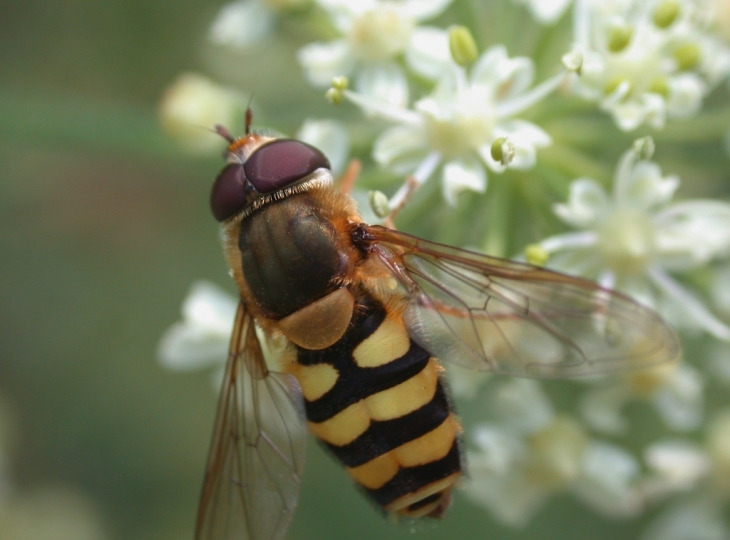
(223, 132)
(249, 115)
(249, 119)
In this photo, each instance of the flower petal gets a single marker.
(643, 186)
(202, 338)
(685, 95)
(187, 347)
(343, 12)
(695, 312)
(209, 307)
(547, 11)
(676, 466)
(508, 76)
(425, 9)
(629, 115)
(461, 174)
(587, 204)
(400, 148)
(383, 81)
(691, 233)
(428, 52)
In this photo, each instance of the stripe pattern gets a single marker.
(383, 411)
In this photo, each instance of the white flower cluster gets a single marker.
(531, 452)
(646, 60)
(634, 238)
(440, 107)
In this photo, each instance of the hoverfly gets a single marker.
(362, 316)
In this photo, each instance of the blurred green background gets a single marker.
(104, 226)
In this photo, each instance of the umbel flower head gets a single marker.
(698, 474)
(634, 238)
(531, 452)
(456, 126)
(375, 33)
(645, 61)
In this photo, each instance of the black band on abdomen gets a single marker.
(382, 437)
(411, 479)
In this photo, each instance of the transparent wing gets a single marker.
(257, 453)
(497, 315)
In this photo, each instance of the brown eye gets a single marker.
(279, 163)
(229, 194)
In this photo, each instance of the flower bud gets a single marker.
(536, 254)
(462, 46)
(379, 203)
(503, 150)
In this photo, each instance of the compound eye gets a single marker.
(228, 195)
(281, 162)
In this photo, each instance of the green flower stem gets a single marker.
(427, 201)
(499, 193)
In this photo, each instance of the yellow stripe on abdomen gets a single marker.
(405, 397)
(389, 342)
(432, 446)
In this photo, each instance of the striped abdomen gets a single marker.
(376, 400)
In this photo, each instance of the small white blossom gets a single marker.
(531, 453)
(192, 105)
(633, 238)
(676, 391)
(201, 338)
(647, 60)
(455, 126)
(375, 34)
(701, 473)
